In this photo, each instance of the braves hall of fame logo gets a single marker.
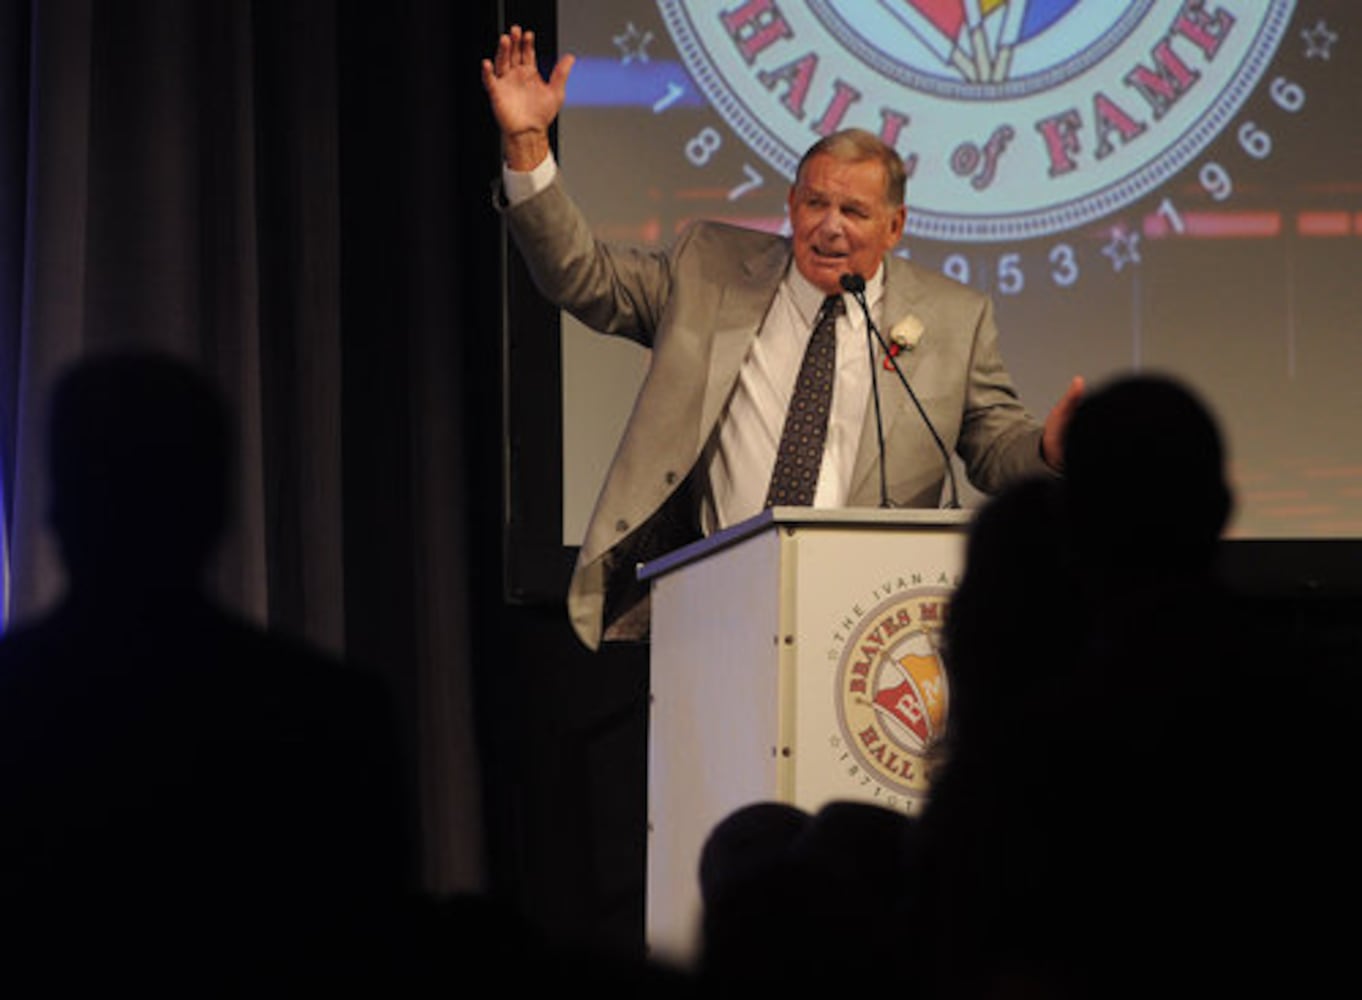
(1015, 118)
(892, 693)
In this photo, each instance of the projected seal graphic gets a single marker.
(1053, 113)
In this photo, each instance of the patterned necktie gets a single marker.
(800, 454)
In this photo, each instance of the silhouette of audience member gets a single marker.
(1146, 503)
(1083, 794)
(799, 901)
(1197, 783)
(984, 878)
(1146, 506)
(1145, 479)
(1113, 816)
(188, 804)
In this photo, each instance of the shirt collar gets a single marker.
(808, 298)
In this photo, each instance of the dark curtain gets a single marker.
(291, 195)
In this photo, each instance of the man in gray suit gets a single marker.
(728, 314)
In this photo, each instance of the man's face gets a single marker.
(841, 220)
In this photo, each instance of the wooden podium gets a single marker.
(794, 659)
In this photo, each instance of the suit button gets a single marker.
(621, 526)
(670, 477)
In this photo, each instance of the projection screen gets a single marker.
(1158, 185)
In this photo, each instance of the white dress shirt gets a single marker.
(742, 452)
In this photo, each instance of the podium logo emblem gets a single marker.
(892, 690)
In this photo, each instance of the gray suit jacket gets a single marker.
(699, 306)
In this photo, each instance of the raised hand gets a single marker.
(1052, 443)
(523, 102)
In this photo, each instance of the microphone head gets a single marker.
(852, 283)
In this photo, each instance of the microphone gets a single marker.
(854, 284)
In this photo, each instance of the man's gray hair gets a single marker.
(855, 145)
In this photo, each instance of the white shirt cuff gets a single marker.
(521, 185)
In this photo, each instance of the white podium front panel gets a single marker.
(794, 659)
(714, 729)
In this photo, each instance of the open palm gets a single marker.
(522, 100)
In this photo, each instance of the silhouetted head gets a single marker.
(138, 457)
(749, 840)
(795, 898)
(1145, 480)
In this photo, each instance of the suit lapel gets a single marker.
(739, 312)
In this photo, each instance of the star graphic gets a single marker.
(1319, 40)
(633, 44)
(1123, 249)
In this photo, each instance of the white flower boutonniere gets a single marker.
(904, 337)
